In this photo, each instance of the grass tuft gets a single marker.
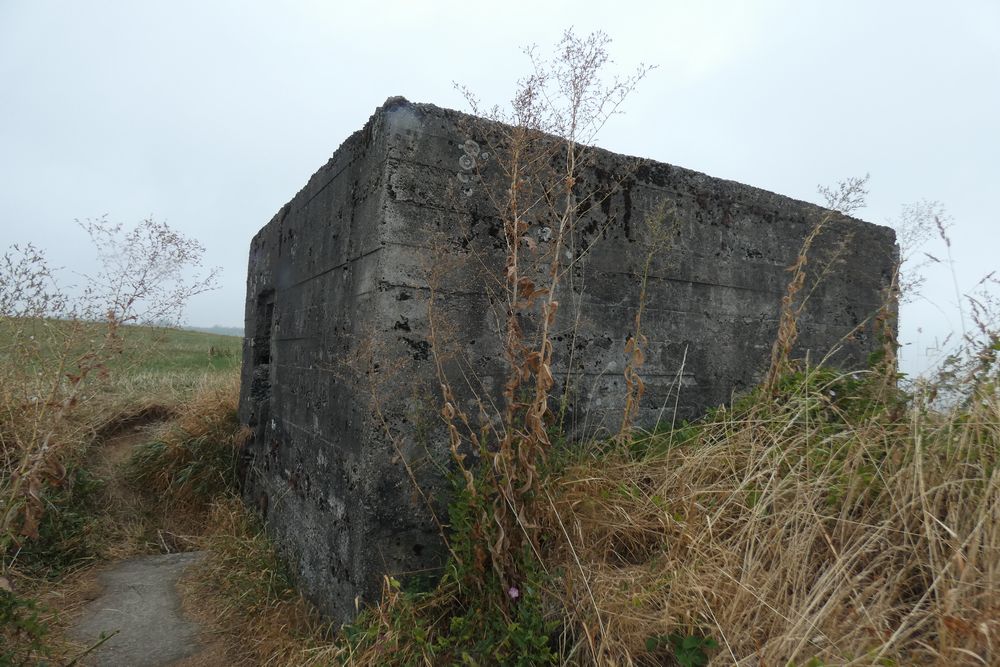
(191, 459)
(245, 595)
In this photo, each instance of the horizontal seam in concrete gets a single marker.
(382, 246)
(424, 288)
(437, 207)
(379, 164)
(412, 246)
(697, 282)
(333, 268)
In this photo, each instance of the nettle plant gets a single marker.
(61, 343)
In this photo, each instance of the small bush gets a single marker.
(22, 633)
(65, 532)
(62, 346)
(470, 617)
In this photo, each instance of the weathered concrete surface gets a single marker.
(339, 376)
(141, 604)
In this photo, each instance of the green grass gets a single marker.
(155, 366)
(154, 373)
(146, 348)
(173, 350)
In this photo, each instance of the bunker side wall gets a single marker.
(718, 269)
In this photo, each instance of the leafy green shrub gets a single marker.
(65, 531)
(688, 650)
(22, 633)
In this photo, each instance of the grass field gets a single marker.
(146, 348)
(152, 365)
(174, 350)
(50, 422)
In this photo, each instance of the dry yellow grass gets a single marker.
(824, 527)
(245, 599)
(792, 532)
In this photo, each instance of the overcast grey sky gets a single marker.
(211, 115)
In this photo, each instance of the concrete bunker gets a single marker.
(339, 383)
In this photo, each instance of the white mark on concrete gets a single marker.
(471, 148)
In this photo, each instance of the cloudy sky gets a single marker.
(210, 115)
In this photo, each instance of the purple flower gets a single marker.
(513, 593)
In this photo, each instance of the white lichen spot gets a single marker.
(485, 155)
(467, 162)
(464, 178)
(545, 233)
(467, 192)
(471, 148)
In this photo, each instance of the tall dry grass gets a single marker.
(244, 596)
(817, 528)
(830, 523)
(190, 460)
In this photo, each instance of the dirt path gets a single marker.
(136, 602)
(140, 608)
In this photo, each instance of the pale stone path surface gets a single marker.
(141, 601)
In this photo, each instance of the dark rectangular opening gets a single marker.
(262, 329)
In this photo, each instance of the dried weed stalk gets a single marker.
(555, 112)
(849, 196)
(661, 236)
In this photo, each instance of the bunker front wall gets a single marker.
(313, 466)
(718, 251)
(387, 266)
